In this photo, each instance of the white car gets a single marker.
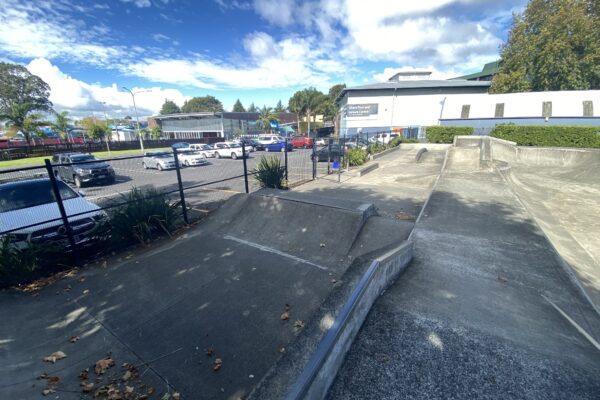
(320, 142)
(30, 202)
(249, 148)
(205, 149)
(269, 139)
(227, 150)
(191, 158)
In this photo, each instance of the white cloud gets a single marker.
(280, 12)
(81, 98)
(139, 3)
(159, 37)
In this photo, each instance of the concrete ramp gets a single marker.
(313, 228)
(463, 158)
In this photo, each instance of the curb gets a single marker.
(383, 153)
(321, 369)
(367, 169)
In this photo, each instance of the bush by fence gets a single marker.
(445, 134)
(550, 136)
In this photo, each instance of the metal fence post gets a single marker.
(245, 168)
(286, 159)
(329, 155)
(314, 158)
(178, 170)
(61, 209)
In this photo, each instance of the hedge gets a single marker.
(549, 136)
(445, 134)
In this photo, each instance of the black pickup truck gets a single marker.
(81, 169)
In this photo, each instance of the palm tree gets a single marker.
(61, 123)
(267, 115)
(296, 105)
(31, 126)
(312, 100)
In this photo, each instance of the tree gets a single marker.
(31, 126)
(238, 107)
(267, 115)
(252, 108)
(61, 123)
(169, 107)
(296, 105)
(312, 101)
(330, 108)
(21, 94)
(279, 108)
(98, 131)
(553, 45)
(202, 104)
(155, 132)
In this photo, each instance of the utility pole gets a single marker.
(137, 119)
(107, 130)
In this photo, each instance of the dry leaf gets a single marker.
(322, 245)
(150, 391)
(103, 365)
(73, 339)
(218, 364)
(87, 387)
(210, 352)
(86, 291)
(53, 380)
(84, 374)
(44, 375)
(126, 376)
(282, 350)
(54, 357)
(166, 396)
(176, 396)
(298, 324)
(46, 392)
(285, 316)
(333, 280)
(128, 389)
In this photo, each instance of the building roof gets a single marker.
(250, 116)
(418, 84)
(489, 69)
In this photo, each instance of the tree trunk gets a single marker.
(308, 122)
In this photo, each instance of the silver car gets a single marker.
(158, 159)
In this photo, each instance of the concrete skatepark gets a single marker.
(494, 288)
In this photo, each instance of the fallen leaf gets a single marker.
(176, 396)
(126, 376)
(218, 364)
(54, 357)
(282, 350)
(333, 280)
(501, 279)
(103, 365)
(210, 352)
(46, 392)
(87, 387)
(285, 316)
(129, 389)
(83, 375)
(82, 279)
(299, 324)
(44, 375)
(166, 396)
(150, 391)
(322, 245)
(86, 291)
(53, 380)
(73, 339)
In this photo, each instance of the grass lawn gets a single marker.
(39, 161)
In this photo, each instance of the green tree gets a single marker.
(155, 132)
(553, 45)
(98, 131)
(330, 108)
(279, 108)
(202, 104)
(61, 123)
(252, 108)
(31, 125)
(267, 115)
(313, 101)
(296, 105)
(238, 107)
(21, 94)
(169, 107)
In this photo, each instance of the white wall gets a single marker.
(564, 104)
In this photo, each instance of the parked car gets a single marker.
(82, 169)
(278, 146)
(302, 142)
(205, 149)
(320, 142)
(254, 143)
(326, 153)
(180, 145)
(29, 202)
(158, 159)
(248, 148)
(191, 158)
(268, 139)
(227, 150)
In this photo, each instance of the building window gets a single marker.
(588, 108)
(499, 113)
(464, 113)
(547, 109)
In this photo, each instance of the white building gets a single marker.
(405, 102)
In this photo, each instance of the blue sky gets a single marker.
(257, 50)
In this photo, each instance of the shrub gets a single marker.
(145, 214)
(270, 173)
(375, 148)
(399, 139)
(445, 134)
(21, 265)
(357, 156)
(550, 136)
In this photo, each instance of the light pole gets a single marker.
(137, 119)
(106, 122)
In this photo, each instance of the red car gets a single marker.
(301, 142)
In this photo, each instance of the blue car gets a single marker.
(278, 146)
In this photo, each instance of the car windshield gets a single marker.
(15, 196)
(161, 155)
(193, 153)
(234, 145)
(82, 158)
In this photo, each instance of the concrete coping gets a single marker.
(321, 369)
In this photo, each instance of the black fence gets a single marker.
(65, 202)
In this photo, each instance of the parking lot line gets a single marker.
(274, 251)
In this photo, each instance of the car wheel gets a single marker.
(77, 181)
(159, 167)
(233, 156)
(217, 155)
(144, 165)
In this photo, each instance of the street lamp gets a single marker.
(137, 119)
(106, 123)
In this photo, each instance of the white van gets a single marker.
(268, 139)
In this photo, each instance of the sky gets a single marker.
(259, 51)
